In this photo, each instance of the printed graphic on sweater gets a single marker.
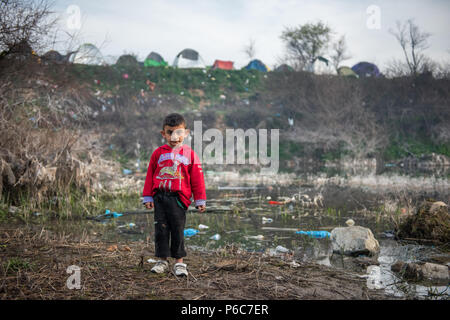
(170, 172)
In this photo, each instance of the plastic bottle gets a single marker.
(190, 232)
(315, 234)
(267, 220)
(215, 237)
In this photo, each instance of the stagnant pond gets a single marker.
(250, 217)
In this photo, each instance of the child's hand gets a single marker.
(149, 205)
(201, 208)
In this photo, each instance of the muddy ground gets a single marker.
(34, 263)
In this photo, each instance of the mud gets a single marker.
(34, 265)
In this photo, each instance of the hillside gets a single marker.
(65, 117)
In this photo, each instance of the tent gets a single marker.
(320, 65)
(283, 68)
(127, 60)
(347, 72)
(87, 54)
(154, 60)
(225, 65)
(366, 69)
(188, 58)
(53, 56)
(257, 65)
(20, 51)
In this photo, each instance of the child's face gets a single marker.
(175, 135)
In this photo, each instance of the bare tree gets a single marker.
(339, 52)
(24, 21)
(413, 43)
(250, 48)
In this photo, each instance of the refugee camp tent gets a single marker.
(347, 72)
(154, 60)
(283, 68)
(87, 54)
(257, 65)
(188, 58)
(21, 51)
(320, 65)
(225, 65)
(366, 69)
(127, 60)
(53, 56)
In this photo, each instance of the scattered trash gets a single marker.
(151, 85)
(266, 220)
(223, 97)
(112, 248)
(202, 226)
(388, 234)
(276, 202)
(294, 264)
(125, 76)
(390, 165)
(279, 229)
(13, 209)
(350, 222)
(108, 215)
(37, 214)
(127, 171)
(152, 261)
(215, 237)
(128, 225)
(315, 234)
(281, 249)
(268, 197)
(190, 232)
(258, 237)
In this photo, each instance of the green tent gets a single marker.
(347, 72)
(127, 60)
(154, 60)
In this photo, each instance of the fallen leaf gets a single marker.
(112, 248)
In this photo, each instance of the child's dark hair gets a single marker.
(173, 120)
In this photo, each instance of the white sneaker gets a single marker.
(160, 266)
(180, 269)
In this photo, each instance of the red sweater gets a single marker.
(175, 170)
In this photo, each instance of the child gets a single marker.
(174, 174)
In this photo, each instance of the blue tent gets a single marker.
(366, 69)
(257, 65)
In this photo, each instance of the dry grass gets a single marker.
(120, 271)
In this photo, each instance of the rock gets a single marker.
(354, 240)
(436, 205)
(430, 222)
(422, 271)
(433, 271)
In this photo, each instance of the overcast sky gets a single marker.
(221, 29)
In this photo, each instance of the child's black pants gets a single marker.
(170, 219)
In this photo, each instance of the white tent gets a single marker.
(87, 54)
(188, 58)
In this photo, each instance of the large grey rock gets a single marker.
(354, 240)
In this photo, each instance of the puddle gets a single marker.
(246, 219)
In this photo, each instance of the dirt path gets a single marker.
(34, 264)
